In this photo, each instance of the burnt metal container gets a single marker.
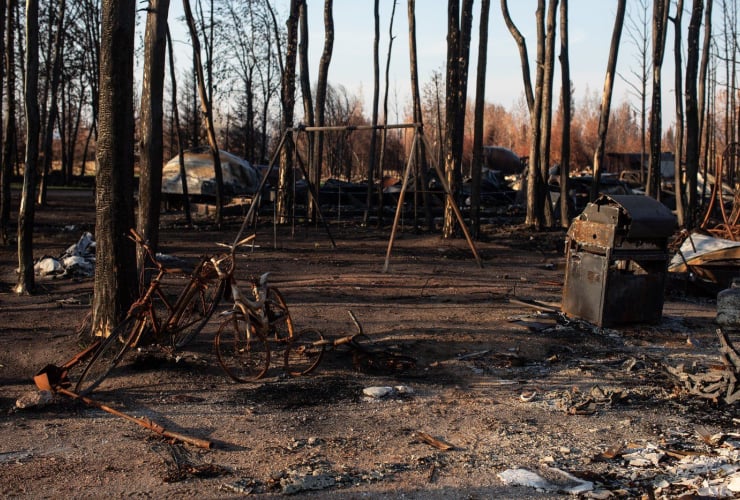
(616, 261)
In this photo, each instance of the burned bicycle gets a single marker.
(366, 356)
(258, 326)
(154, 317)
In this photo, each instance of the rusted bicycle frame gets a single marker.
(368, 359)
(171, 328)
(258, 322)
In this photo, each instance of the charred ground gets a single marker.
(505, 386)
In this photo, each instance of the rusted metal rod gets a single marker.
(142, 421)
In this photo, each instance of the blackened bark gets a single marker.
(376, 102)
(115, 266)
(179, 133)
(321, 87)
(287, 98)
(9, 123)
(480, 103)
(420, 159)
(660, 19)
(693, 133)
(606, 98)
(565, 97)
(26, 282)
(206, 106)
(152, 98)
(678, 187)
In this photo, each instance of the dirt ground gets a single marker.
(506, 386)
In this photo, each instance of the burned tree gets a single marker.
(678, 91)
(480, 91)
(9, 123)
(534, 105)
(660, 19)
(321, 89)
(26, 211)
(693, 132)
(606, 98)
(152, 97)
(206, 106)
(420, 159)
(115, 266)
(459, 24)
(565, 105)
(284, 200)
(376, 99)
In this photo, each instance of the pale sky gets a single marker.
(591, 24)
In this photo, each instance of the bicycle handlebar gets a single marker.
(229, 256)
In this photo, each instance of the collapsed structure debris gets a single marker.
(76, 261)
(719, 382)
(708, 260)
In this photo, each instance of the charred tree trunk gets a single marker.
(152, 97)
(307, 95)
(534, 180)
(179, 134)
(702, 101)
(9, 123)
(678, 187)
(546, 121)
(523, 56)
(26, 211)
(566, 115)
(420, 160)
(606, 98)
(384, 131)
(115, 266)
(56, 71)
(206, 107)
(374, 133)
(534, 104)
(459, 25)
(660, 19)
(287, 98)
(693, 132)
(321, 87)
(480, 104)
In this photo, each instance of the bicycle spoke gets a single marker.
(109, 354)
(242, 352)
(304, 352)
(196, 305)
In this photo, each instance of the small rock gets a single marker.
(307, 483)
(34, 399)
(377, 392)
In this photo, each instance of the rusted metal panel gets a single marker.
(586, 234)
(616, 261)
(637, 216)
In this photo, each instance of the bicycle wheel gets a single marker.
(242, 352)
(196, 305)
(304, 352)
(109, 353)
(278, 316)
